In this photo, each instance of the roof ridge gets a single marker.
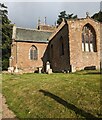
(26, 28)
(34, 29)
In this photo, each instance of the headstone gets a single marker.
(10, 61)
(39, 69)
(73, 68)
(47, 66)
(49, 71)
(16, 69)
(10, 69)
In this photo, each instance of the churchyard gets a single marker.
(56, 95)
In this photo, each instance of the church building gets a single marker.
(73, 45)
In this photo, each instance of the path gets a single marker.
(6, 112)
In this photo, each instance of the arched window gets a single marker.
(33, 53)
(88, 38)
(61, 46)
(51, 50)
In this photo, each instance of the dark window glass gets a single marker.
(61, 47)
(51, 51)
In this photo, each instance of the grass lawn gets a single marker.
(57, 95)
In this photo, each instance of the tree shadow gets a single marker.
(70, 106)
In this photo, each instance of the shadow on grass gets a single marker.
(70, 106)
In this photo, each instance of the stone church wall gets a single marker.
(21, 49)
(64, 50)
(59, 62)
(78, 58)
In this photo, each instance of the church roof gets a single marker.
(31, 35)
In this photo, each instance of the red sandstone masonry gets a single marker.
(59, 62)
(23, 60)
(78, 58)
(71, 33)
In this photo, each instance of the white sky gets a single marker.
(26, 14)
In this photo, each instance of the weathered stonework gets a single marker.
(78, 58)
(62, 47)
(60, 62)
(20, 52)
(74, 58)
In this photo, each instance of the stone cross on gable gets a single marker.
(87, 14)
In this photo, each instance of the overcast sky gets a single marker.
(26, 14)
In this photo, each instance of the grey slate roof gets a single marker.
(31, 35)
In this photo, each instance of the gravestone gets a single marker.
(39, 69)
(10, 69)
(73, 69)
(47, 66)
(10, 61)
(16, 69)
(48, 69)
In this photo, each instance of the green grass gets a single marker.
(56, 95)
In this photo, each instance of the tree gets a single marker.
(65, 16)
(6, 36)
(98, 16)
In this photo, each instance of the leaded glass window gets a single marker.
(33, 53)
(88, 39)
